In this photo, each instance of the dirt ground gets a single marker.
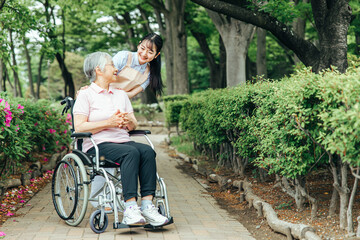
(320, 185)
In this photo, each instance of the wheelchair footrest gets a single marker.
(122, 225)
(149, 226)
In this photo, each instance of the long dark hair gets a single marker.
(156, 84)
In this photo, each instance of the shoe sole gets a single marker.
(158, 224)
(135, 224)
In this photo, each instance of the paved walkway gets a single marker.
(196, 214)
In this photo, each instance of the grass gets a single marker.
(183, 145)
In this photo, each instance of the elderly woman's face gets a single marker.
(110, 71)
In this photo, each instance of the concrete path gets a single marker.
(196, 214)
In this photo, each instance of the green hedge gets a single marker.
(29, 127)
(285, 127)
(173, 105)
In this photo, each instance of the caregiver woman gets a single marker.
(141, 69)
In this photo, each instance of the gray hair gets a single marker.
(94, 60)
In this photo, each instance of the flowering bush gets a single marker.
(27, 127)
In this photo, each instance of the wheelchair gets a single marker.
(76, 171)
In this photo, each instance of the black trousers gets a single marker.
(137, 161)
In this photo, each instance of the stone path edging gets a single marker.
(297, 231)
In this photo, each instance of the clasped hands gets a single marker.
(119, 119)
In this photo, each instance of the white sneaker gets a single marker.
(153, 217)
(132, 216)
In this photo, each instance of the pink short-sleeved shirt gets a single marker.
(99, 104)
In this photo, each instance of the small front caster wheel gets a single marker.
(98, 221)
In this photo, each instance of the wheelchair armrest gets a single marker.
(139, 132)
(81, 135)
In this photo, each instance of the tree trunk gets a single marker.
(28, 62)
(222, 63)
(332, 19)
(68, 80)
(38, 83)
(350, 223)
(130, 31)
(339, 172)
(146, 25)
(333, 202)
(167, 50)
(175, 35)
(17, 85)
(69, 83)
(148, 97)
(210, 60)
(2, 3)
(237, 36)
(261, 69)
(299, 27)
(357, 41)
(179, 46)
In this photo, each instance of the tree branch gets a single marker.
(158, 5)
(305, 50)
(2, 3)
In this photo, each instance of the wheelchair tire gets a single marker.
(64, 190)
(70, 190)
(83, 189)
(95, 222)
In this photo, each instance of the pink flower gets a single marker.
(35, 124)
(46, 159)
(20, 107)
(2, 234)
(57, 142)
(17, 128)
(52, 130)
(9, 214)
(22, 201)
(1, 100)
(65, 131)
(43, 148)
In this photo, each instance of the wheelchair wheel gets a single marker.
(80, 191)
(97, 223)
(64, 190)
(83, 189)
(161, 198)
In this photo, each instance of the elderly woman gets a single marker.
(107, 113)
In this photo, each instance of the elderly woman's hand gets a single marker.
(118, 119)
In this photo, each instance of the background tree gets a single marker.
(332, 19)
(170, 17)
(210, 44)
(237, 36)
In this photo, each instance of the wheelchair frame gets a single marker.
(75, 172)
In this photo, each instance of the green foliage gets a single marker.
(55, 81)
(173, 106)
(30, 127)
(288, 127)
(341, 114)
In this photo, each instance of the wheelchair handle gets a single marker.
(69, 101)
